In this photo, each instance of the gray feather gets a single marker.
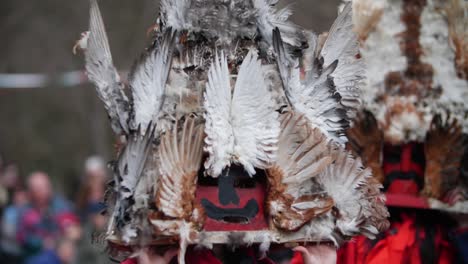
(316, 97)
(102, 73)
(128, 171)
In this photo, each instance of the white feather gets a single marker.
(268, 18)
(342, 44)
(241, 127)
(148, 82)
(343, 180)
(219, 131)
(128, 233)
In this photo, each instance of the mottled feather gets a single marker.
(342, 45)
(316, 97)
(102, 73)
(127, 174)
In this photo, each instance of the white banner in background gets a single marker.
(39, 80)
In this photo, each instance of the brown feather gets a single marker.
(379, 215)
(303, 153)
(443, 151)
(366, 141)
(180, 154)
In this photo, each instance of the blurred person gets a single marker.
(10, 248)
(64, 253)
(46, 218)
(93, 186)
(15, 200)
(9, 182)
(64, 250)
(90, 204)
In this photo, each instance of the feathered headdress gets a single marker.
(231, 86)
(416, 57)
(417, 87)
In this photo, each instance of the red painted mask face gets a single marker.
(404, 168)
(234, 201)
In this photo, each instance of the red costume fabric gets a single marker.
(401, 244)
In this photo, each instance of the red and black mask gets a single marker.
(233, 201)
(404, 168)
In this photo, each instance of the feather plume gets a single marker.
(443, 151)
(242, 126)
(316, 98)
(180, 155)
(303, 153)
(148, 81)
(102, 73)
(361, 207)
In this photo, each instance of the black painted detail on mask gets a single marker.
(226, 192)
(231, 215)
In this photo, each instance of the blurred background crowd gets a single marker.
(41, 226)
(51, 188)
